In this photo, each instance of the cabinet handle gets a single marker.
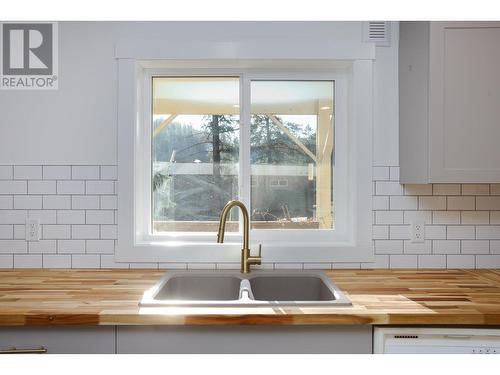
(14, 350)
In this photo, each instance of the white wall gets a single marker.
(77, 123)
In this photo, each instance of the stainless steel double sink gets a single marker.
(233, 289)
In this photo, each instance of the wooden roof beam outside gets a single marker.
(297, 141)
(163, 125)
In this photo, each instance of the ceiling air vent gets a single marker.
(378, 32)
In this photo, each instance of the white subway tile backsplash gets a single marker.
(403, 202)
(56, 172)
(6, 261)
(99, 187)
(446, 189)
(13, 187)
(71, 187)
(27, 202)
(7, 202)
(432, 261)
(460, 261)
(418, 247)
(85, 231)
(85, 172)
(19, 232)
(399, 232)
(388, 217)
(411, 189)
(491, 232)
(100, 246)
(488, 203)
(460, 232)
(45, 216)
(13, 246)
(6, 232)
(42, 247)
(388, 247)
(77, 207)
(403, 261)
(55, 232)
(435, 232)
(380, 232)
(475, 217)
(461, 203)
(27, 172)
(494, 217)
(379, 202)
(446, 247)
(487, 261)
(388, 188)
(70, 246)
(495, 247)
(28, 261)
(431, 203)
(109, 202)
(85, 202)
(57, 202)
(495, 189)
(475, 189)
(6, 172)
(109, 172)
(13, 216)
(56, 261)
(425, 216)
(446, 217)
(85, 261)
(100, 217)
(70, 217)
(475, 246)
(109, 232)
(42, 187)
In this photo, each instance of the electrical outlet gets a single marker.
(32, 229)
(417, 231)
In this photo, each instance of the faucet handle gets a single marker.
(260, 251)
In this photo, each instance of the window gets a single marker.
(283, 142)
(196, 151)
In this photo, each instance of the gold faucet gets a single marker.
(246, 258)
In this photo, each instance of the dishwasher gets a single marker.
(406, 340)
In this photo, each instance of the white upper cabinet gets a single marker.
(449, 102)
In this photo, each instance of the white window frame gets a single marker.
(351, 241)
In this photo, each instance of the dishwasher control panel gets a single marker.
(404, 340)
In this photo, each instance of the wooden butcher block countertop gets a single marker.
(110, 297)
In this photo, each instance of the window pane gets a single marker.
(195, 152)
(292, 154)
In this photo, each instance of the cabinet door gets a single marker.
(60, 340)
(243, 339)
(464, 102)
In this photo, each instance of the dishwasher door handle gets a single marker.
(14, 350)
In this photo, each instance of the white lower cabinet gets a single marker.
(59, 340)
(244, 339)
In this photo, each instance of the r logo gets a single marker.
(27, 49)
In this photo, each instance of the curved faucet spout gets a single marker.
(246, 258)
(223, 218)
